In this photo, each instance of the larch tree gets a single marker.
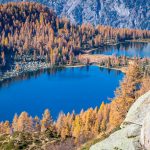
(125, 95)
(76, 127)
(60, 122)
(24, 124)
(47, 121)
(15, 123)
(6, 127)
(36, 124)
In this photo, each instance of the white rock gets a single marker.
(145, 133)
(130, 134)
(138, 110)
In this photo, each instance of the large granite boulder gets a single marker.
(145, 133)
(135, 130)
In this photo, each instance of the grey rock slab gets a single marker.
(135, 130)
(145, 132)
(138, 110)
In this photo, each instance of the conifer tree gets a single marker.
(47, 121)
(15, 123)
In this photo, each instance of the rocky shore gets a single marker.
(26, 67)
(37, 65)
(18, 68)
(31, 67)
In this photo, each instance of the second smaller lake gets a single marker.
(129, 49)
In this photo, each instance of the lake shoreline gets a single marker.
(38, 65)
(122, 69)
(13, 73)
(35, 66)
(139, 41)
(87, 51)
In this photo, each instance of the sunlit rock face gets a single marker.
(135, 130)
(145, 132)
(117, 13)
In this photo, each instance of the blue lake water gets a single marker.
(62, 90)
(126, 49)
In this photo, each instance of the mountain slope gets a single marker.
(117, 13)
(35, 30)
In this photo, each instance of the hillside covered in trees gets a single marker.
(116, 13)
(75, 129)
(33, 32)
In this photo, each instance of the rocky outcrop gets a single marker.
(117, 13)
(135, 130)
(145, 132)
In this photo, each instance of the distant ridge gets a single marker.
(117, 13)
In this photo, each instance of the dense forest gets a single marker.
(90, 123)
(31, 32)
